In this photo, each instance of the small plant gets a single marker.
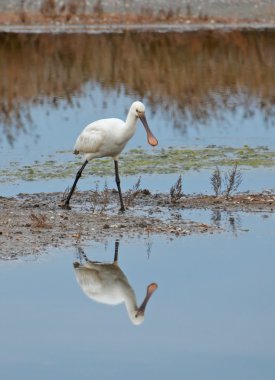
(216, 181)
(131, 194)
(188, 10)
(76, 7)
(72, 7)
(100, 199)
(39, 221)
(203, 16)
(95, 198)
(22, 13)
(98, 8)
(146, 11)
(78, 236)
(176, 190)
(65, 194)
(137, 185)
(232, 180)
(105, 198)
(48, 8)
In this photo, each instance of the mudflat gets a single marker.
(31, 223)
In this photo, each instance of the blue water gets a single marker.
(56, 95)
(56, 130)
(211, 317)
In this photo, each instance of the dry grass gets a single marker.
(216, 181)
(40, 221)
(100, 199)
(176, 192)
(98, 9)
(65, 194)
(132, 193)
(231, 180)
(48, 8)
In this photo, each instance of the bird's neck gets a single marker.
(131, 120)
(129, 128)
(130, 302)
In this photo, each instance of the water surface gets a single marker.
(212, 315)
(200, 88)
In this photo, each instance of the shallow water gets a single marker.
(212, 315)
(200, 88)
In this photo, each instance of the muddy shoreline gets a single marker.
(32, 223)
(56, 16)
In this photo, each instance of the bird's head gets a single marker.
(139, 111)
(139, 108)
(137, 316)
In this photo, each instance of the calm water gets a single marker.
(200, 88)
(211, 317)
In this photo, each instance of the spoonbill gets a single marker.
(106, 283)
(107, 138)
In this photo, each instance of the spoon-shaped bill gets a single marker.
(150, 290)
(150, 137)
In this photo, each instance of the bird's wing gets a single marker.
(97, 134)
(90, 140)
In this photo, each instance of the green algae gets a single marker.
(140, 161)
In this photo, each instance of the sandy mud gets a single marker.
(32, 223)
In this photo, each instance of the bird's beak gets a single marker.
(150, 137)
(150, 290)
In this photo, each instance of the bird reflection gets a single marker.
(106, 283)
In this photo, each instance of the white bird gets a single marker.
(107, 138)
(106, 283)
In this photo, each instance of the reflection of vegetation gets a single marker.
(191, 76)
(228, 220)
(137, 161)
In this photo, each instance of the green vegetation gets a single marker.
(139, 161)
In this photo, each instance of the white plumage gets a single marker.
(103, 138)
(107, 138)
(106, 283)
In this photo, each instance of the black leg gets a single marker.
(122, 208)
(78, 175)
(116, 251)
(82, 254)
